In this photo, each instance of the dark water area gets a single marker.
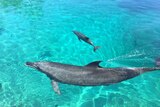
(140, 5)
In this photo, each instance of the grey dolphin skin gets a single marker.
(88, 75)
(85, 38)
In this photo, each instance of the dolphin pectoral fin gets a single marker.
(94, 64)
(55, 87)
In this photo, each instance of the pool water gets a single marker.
(127, 31)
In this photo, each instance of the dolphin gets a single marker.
(86, 39)
(91, 74)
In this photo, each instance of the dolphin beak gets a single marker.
(31, 64)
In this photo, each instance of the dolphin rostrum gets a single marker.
(85, 38)
(89, 75)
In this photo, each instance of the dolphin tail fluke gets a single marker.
(95, 48)
(148, 69)
(157, 63)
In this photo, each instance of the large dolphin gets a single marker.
(85, 38)
(89, 75)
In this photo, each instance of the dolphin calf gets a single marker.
(89, 75)
(85, 38)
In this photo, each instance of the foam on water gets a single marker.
(42, 30)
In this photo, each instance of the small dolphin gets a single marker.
(89, 75)
(85, 38)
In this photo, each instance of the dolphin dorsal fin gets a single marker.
(94, 64)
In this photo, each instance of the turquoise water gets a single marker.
(128, 32)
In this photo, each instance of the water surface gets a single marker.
(128, 32)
